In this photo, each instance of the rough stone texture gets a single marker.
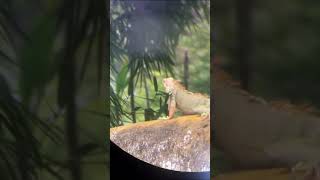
(264, 174)
(181, 144)
(267, 174)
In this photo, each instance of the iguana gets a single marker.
(185, 101)
(254, 134)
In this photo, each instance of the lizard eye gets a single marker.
(166, 83)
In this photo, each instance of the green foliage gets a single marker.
(122, 80)
(34, 46)
(19, 144)
(144, 35)
(286, 48)
(155, 83)
(197, 44)
(38, 68)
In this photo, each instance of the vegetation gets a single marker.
(49, 53)
(53, 78)
(145, 37)
(284, 55)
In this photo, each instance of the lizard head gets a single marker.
(171, 84)
(168, 84)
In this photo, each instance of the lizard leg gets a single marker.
(311, 171)
(172, 109)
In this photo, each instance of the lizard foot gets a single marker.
(309, 171)
(205, 116)
(164, 117)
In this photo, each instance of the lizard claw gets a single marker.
(165, 117)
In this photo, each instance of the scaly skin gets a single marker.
(262, 135)
(185, 101)
(311, 169)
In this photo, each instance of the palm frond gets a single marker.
(147, 33)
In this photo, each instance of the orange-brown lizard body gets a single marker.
(185, 101)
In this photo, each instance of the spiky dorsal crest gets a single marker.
(179, 86)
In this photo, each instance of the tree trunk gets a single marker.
(244, 41)
(23, 160)
(186, 69)
(147, 92)
(131, 94)
(72, 128)
(67, 77)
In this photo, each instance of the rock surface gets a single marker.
(264, 174)
(181, 144)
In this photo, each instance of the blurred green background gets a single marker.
(53, 109)
(272, 48)
(151, 45)
(277, 43)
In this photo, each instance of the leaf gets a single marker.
(122, 80)
(87, 148)
(137, 108)
(7, 58)
(4, 88)
(155, 84)
(86, 59)
(36, 63)
(10, 166)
